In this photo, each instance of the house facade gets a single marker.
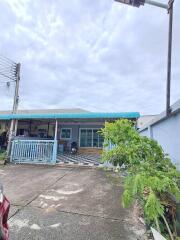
(64, 125)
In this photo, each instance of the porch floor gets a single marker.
(81, 159)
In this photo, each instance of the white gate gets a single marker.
(34, 151)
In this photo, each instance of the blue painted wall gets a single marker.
(75, 131)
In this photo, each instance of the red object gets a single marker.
(4, 211)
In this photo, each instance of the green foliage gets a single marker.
(152, 177)
(127, 198)
(153, 207)
(2, 156)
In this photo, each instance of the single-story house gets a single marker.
(64, 125)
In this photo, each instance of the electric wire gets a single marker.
(7, 70)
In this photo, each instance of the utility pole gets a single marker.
(168, 87)
(15, 107)
(169, 7)
(16, 94)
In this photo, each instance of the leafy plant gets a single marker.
(152, 178)
(2, 156)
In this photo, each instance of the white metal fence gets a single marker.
(34, 151)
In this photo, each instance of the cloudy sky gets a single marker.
(95, 54)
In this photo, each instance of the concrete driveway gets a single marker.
(64, 203)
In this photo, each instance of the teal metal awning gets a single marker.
(88, 115)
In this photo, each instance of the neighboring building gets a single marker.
(166, 130)
(144, 120)
(73, 125)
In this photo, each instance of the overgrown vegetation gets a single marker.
(151, 176)
(2, 155)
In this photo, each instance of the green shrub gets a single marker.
(152, 178)
(2, 156)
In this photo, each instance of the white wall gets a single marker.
(167, 133)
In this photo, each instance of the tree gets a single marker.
(151, 178)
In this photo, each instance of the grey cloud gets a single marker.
(97, 55)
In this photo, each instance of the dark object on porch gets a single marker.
(3, 140)
(74, 147)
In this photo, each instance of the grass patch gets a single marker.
(2, 155)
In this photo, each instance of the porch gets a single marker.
(48, 137)
(42, 141)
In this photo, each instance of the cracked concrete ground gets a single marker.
(63, 203)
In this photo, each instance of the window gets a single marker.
(90, 138)
(66, 133)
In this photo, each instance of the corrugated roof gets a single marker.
(73, 115)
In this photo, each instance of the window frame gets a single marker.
(70, 133)
(92, 137)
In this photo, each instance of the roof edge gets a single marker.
(175, 108)
(90, 115)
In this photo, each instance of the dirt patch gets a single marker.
(136, 224)
(134, 221)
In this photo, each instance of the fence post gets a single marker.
(54, 157)
(12, 151)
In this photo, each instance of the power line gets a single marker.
(6, 76)
(8, 70)
(8, 81)
(3, 58)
